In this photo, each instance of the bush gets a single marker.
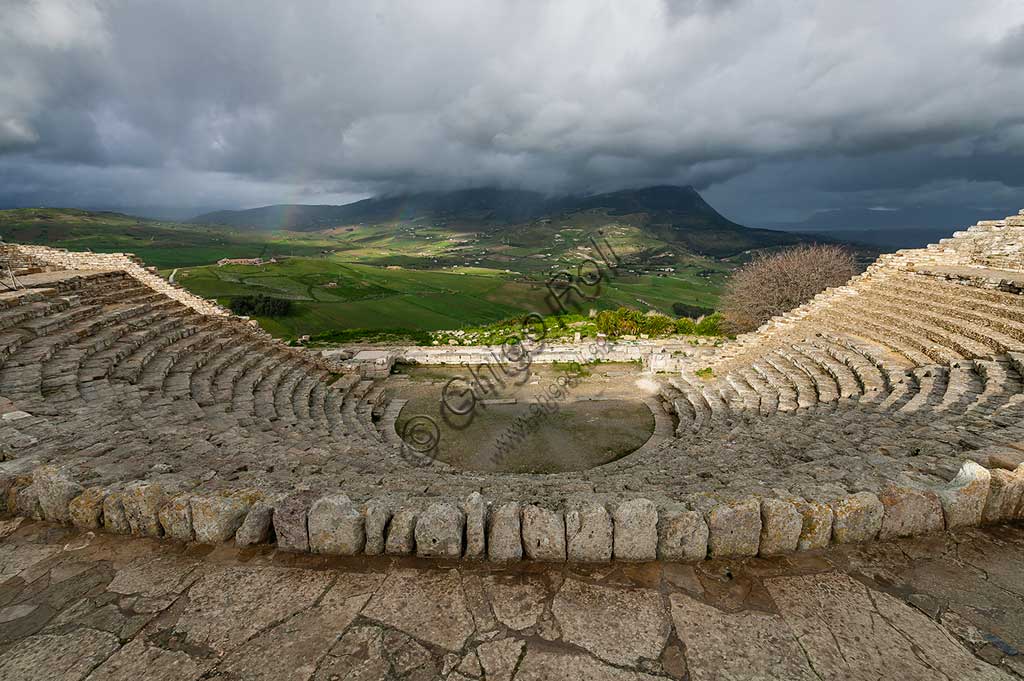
(692, 311)
(772, 284)
(260, 306)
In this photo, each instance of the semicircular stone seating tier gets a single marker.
(891, 406)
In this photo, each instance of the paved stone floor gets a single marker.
(83, 606)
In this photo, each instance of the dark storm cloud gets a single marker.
(199, 102)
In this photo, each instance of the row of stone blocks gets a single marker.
(634, 530)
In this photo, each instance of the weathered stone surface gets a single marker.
(139, 661)
(114, 518)
(24, 500)
(401, 532)
(504, 534)
(1005, 491)
(229, 605)
(291, 649)
(620, 626)
(909, 511)
(176, 518)
(499, 658)
(588, 530)
(516, 600)
(849, 632)
(142, 502)
(86, 510)
(475, 509)
(635, 530)
(255, 527)
(781, 527)
(682, 535)
(734, 529)
(543, 534)
(290, 521)
(57, 657)
(429, 605)
(856, 518)
(439, 531)
(216, 519)
(963, 499)
(55, 489)
(744, 645)
(376, 515)
(545, 665)
(816, 532)
(336, 526)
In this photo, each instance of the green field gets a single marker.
(400, 275)
(331, 293)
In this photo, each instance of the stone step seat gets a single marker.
(910, 346)
(136, 333)
(806, 395)
(63, 370)
(34, 307)
(940, 345)
(740, 395)
(203, 380)
(997, 304)
(25, 296)
(826, 388)
(1001, 379)
(692, 407)
(177, 382)
(847, 386)
(767, 397)
(785, 388)
(246, 385)
(282, 396)
(303, 396)
(957, 335)
(677, 404)
(156, 366)
(964, 384)
(974, 335)
(227, 379)
(386, 425)
(350, 407)
(872, 382)
(931, 381)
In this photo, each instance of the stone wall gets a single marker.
(583, 530)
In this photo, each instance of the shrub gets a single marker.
(692, 311)
(772, 284)
(686, 326)
(260, 306)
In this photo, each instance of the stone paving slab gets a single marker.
(78, 607)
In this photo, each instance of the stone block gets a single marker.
(781, 527)
(23, 499)
(588, 531)
(1005, 491)
(114, 518)
(909, 512)
(504, 534)
(142, 502)
(290, 518)
(55, 489)
(376, 515)
(439, 531)
(402, 533)
(475, 509)
(682, 535)
(734, 529)
(176, 518)
(856, 518)
(86, 510)
(635, 531)
(963, 499)
(543, 534)
(336, 526)
(255, 527)
(816, 530)
(216, 519)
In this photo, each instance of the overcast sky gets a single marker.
(772, 109)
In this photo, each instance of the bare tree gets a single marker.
(772, 284)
